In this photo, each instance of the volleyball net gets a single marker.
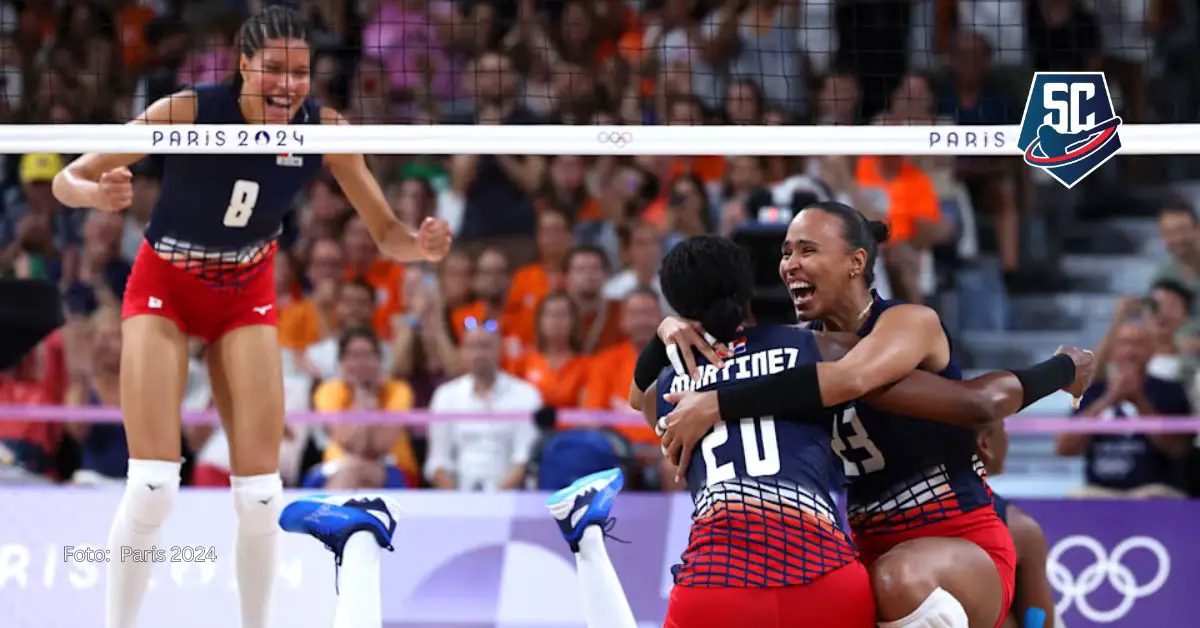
(957, 72)
(673, 78)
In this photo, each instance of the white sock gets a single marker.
(604, 603)
(257, 500)
(150, 490)
(359, 603)
(939, 610)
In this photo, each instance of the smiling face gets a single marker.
(817, 264)
(276, 80)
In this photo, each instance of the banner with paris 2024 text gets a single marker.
(474, 560)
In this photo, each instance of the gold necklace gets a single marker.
(867, 310)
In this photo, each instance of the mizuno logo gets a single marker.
(263, 309)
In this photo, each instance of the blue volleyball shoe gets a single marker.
(331, 519)
(587, 501)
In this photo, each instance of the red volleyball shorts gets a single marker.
(839, 599)
(980, 526)
(200, 309)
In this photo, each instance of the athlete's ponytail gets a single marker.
(709, 279)
(723, 317)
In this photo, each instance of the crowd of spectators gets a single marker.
(551, 290)
(1149, 366)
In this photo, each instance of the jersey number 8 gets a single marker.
(758, 463)
(851, 443)
(241, 203)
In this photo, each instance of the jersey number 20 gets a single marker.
(851, 443)
(241, 203)
(758, 463)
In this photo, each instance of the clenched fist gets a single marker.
(434, 238)
(1085, 369)
(116, 190)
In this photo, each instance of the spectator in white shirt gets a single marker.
(479, 455)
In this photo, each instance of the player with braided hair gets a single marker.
(205, 270)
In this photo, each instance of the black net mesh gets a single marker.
(654, 62)
(223, 269)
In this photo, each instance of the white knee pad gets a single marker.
(939, 610)
(150, 490)
(257, 499)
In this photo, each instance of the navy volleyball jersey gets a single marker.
(219, 215)
(1127, 461)
(1001, 506)
(906, 472)
(762, 486)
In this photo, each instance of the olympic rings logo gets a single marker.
(1105, 568)
(619, 139)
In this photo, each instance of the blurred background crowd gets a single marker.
(552, 291)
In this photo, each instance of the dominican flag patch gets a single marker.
(738, 347)
(289, 161)
(774, 215)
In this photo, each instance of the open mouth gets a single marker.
(802, 293)
(278, 106)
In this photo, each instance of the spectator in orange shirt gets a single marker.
(491, 283)
(364, 452)
(365, 262)
(611, 372)
(905, 195)
(612, 369)
(556, 368)
(600, 319)
(306, 321)
(534, 281)
(130, 25)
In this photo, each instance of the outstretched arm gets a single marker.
(395, 239)
(971, 403)
(905, 338)
(924, 395)
(989, 397)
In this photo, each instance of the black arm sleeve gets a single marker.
(1044, 378)
(798, 391)
(794, 391)
(651, 361)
